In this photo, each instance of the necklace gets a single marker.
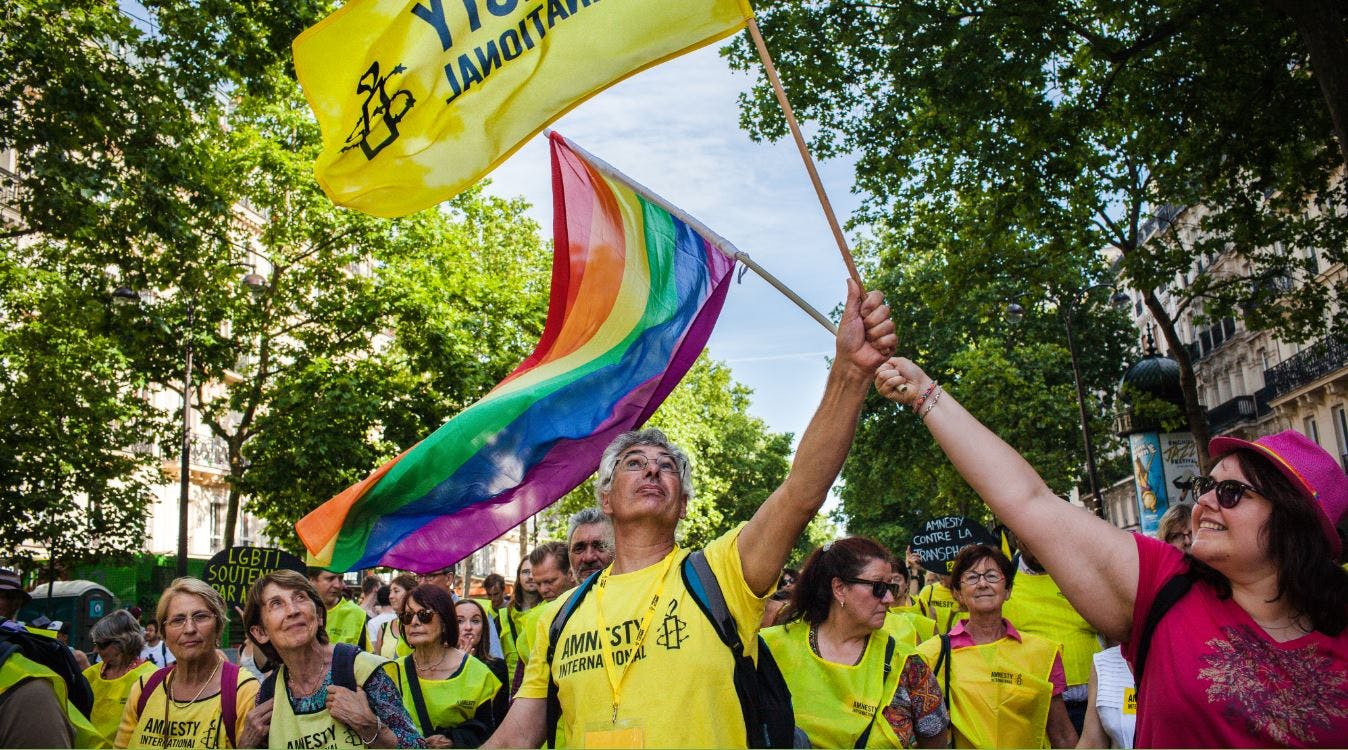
(430, 667)
(814, 645)
(181, 704)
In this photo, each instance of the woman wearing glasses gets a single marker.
(119, 641)
(1252, 650)
(447, 690)
(1004, 688)
(852, 684)
(185, 702)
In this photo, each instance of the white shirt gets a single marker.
(158, 654)
(1112, 679)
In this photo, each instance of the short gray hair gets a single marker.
(628, 440)
(587, 517)
(122, 630)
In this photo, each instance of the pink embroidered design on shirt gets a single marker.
(1285, 695)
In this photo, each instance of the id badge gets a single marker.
(1130, 701)
(623, 733)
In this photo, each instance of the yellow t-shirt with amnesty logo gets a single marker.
(194, 724)
(679, 691)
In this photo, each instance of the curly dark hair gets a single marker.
(1308, 576)
(813, 593)
(441, 603)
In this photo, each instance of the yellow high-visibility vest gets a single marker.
(1038, 606)
(1000, 691)
(319, 729)
(834, 703)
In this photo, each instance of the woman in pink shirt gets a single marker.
(1255, 653)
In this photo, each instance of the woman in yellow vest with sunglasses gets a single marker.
(852, 683)
(1004, 687)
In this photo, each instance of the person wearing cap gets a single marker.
(12, 594)
(1255, 653)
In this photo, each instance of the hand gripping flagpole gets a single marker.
(804, 152)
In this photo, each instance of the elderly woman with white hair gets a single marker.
(119, 640)
(661, 675)
(201, 699)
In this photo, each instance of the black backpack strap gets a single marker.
(706, 591)
(554, 706)
(344, 665)
(268, 689)
(1170, 593)
(945, 659)
(418, 699)
(880, 706)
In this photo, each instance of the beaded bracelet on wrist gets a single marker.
(917, 405)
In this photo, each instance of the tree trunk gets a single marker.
(1320, 24)
(1193, 410)
(232, 505)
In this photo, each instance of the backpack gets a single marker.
(1170, 594)
(229, 690)
(343, 672)
(51, 654)
(765, 700)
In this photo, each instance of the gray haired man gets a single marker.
(590, 535)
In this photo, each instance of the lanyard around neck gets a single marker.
(616, 677)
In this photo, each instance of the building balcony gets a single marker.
(1323, 358)
(1224, 416)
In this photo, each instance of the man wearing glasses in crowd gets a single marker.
(591, 542)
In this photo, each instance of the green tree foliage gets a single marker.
(166, 148)
(1068, 127)
(1014, 376)
(69, 414)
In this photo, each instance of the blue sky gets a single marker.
(675, 130)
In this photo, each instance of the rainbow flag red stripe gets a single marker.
(636, 289)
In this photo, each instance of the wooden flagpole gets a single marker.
(804, 152)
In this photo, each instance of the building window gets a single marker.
(1312, 430)
(1341, 434)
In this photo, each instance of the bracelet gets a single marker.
(378, 725)
(917, 405)
(932, 404)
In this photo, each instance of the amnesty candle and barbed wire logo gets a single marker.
(419, 99)
(380, 112)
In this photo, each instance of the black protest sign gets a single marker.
(940, 539)
(232, 571)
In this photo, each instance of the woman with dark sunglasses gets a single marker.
(1254, 653)
(447, 690)
(852, 683)
(118, 640)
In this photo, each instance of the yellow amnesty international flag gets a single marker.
(418, 99)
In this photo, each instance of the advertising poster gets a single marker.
(1149, 479)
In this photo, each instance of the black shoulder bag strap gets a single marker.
(418, 700)
(554, 705)
(1173, 590)
(882, 703)
(945, 659)
(344, 666)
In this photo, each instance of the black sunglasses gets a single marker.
(1228, 491)
(424, 615)
(878, 588)
(102, 644)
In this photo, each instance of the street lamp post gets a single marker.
(126, 296)
(1066, 307)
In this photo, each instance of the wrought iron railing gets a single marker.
(1316, 361)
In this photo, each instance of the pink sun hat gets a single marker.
(1308, 467)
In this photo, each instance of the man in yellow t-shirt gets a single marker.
(638, 664)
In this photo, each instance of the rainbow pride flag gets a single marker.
(636, 288)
